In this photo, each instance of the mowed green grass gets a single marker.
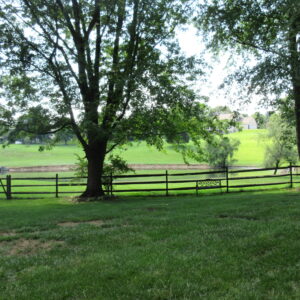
(29, 155)
(236, 246)
(252, 147)
(250, 153)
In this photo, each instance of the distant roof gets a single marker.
(225, 116)
(244, 121)
(248, 120)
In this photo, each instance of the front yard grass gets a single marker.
(234, 246)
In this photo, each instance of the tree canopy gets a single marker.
(266, 29)
(220, 154)
(109, 70)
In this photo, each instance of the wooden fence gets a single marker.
(165, 183)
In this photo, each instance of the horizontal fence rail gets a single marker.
(221, 180)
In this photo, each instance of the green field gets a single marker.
(237, 246)
(252, 148)
(28, 155)
(251, 153)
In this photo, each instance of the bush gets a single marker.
(115, 166)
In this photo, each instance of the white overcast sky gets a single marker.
(191, 44)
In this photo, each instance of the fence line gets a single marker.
(220, 179)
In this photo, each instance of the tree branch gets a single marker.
(67, 18)
(114, 146)
(46, 132)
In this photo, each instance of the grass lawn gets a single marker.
(250, 153)
(235, 246)
(252, 148)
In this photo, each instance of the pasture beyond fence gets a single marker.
(165, 183)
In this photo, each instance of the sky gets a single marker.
(192, 44)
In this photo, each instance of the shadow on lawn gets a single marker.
(47, 212)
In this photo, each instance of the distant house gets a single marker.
(249, 123)
(228, 117)
(245, 122)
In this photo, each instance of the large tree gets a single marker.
(266, 29)
(110, 70)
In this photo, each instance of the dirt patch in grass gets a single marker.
(28, 246)
(76, 223)
(249, 218)
(8, 234)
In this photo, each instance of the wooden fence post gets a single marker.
(167, 184)
(291, 175)
(56, 185)
(111, 184)
(8, 187)
(227, 180)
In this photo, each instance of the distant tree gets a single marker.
(283, 143)
(221, 109)
(66, 135)
(220, 153)
(260, 119)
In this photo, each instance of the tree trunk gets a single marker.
(296, 92)
(95, 157)
(295, 73)
(276, 167)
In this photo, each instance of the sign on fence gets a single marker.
(208, 183)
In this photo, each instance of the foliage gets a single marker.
(221, 109)
(81, 166)
(287, 110)
(65, 136)
(276, 154)
(109, 70)
(266, 33)
(183, 136)
(220, 153)
(260, 119)
(115, 166)
(283, 142)
(214, 135)
(201, 126)
(259, 28)
(6, 120)
(35, 126)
